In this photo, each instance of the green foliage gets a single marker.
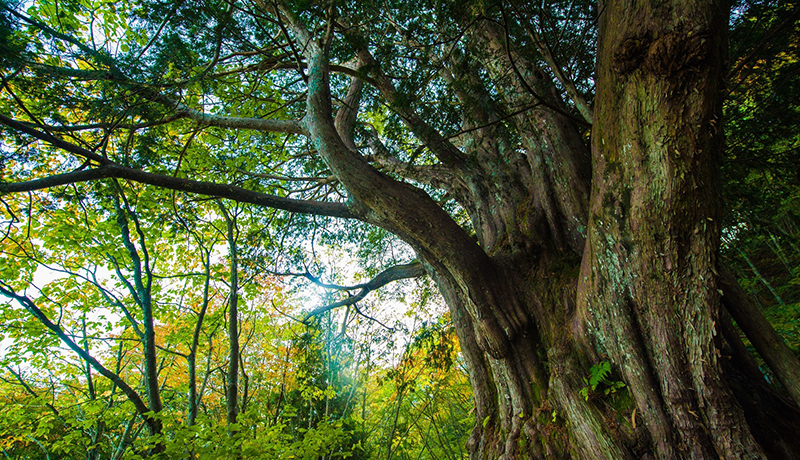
(302, 386)
(252, 439)
(426, 409)
(108, 76)
(600, 380)
(761, 178)
(786, 321)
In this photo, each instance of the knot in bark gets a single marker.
(630, 54)
(664, 55)
(677, 51)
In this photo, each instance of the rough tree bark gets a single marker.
(579, 255)
(647, 295)
(649, 282)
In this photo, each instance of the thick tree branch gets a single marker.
(405, 210)
(444, 150)
(221, 121)
(577, 98)
(438, 176)
(109, 169)
(398, 272)
(346, 116)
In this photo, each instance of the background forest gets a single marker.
(338, 384)
(270, 334)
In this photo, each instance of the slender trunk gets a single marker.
(141, 292)
(282, 392)
(94, 452)
(193, 399)
(778, 251)
(126, 440)
(233, 343)
(207, 374)
(232, 388)
(400, 383)
(761, 278)
(740, 274)
(245, 386)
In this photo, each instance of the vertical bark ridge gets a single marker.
(653, 228)
(499, 183)
(346, 116)
(484, 384)
(557, 157)
(617, 333)
(591, 437)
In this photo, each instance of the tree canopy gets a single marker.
(215, 206)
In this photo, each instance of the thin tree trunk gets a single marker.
(761, 278)
(141, 290)
(193, 399)
(93, 452)
(232, 391)
(778, 250)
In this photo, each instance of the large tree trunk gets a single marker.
(552, 288)
(647, 295)
(649, 284)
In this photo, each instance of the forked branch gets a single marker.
(398, 272)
